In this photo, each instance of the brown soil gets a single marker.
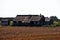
(29, 33)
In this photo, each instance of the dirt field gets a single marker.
(29, 33)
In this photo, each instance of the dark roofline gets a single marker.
(6, 18)
(27, 15)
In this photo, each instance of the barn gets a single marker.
(26, 20)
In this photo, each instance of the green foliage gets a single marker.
(57, 23)
(11, 23)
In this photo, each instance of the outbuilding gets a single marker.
(4, 22)
(48, 21)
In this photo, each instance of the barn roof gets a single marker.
(35, 18)
(27, 18)
(21, 17)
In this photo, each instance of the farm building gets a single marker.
(5, 21)
(26, 20)
(48, 21)
(31, 20)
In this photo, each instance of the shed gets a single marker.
(4, 22)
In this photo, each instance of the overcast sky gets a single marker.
(10, 8)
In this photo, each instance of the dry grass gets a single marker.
(29, 33)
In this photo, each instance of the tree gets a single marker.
(54, 18)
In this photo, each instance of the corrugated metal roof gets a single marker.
(35, 18)
(21, 18)
(27, 18)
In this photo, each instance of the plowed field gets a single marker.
(29, 33)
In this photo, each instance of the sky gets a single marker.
(11, 8)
